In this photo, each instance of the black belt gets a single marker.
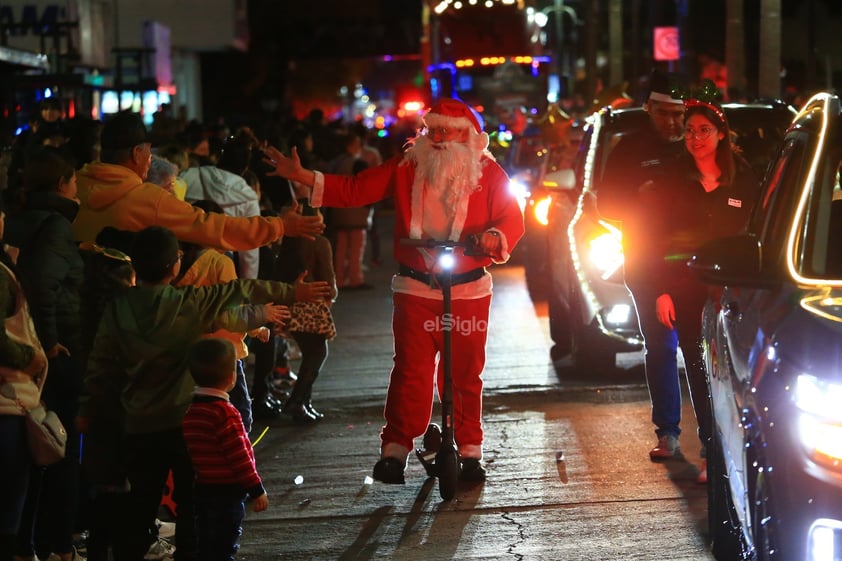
(427, 278)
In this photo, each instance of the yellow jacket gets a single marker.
(114, 195)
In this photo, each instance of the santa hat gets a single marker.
(665, 88)
(452, 113)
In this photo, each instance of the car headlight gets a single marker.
(541, 210)
(606, 250)
(521, 192)
(820, 419)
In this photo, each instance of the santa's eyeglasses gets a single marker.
(446, 133)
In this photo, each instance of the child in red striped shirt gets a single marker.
(222, 455)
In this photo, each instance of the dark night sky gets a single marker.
(311, 32)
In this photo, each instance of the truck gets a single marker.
(489, 54)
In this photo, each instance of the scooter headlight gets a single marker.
(446, 261)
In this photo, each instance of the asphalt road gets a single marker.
(603, 500)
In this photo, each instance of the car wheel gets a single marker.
(535, 272)
(561, 326)
(723, 524)
(590, 356)
(765, 538)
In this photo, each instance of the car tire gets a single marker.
(536, 278)
(561, 326)
(723, 525)
(764, 532)
(589, 356)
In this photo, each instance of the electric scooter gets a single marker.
(439, 456)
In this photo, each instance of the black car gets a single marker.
(591, 313)
(772, 337)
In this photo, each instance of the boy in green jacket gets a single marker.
(139, 361)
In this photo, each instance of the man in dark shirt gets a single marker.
(633, 166)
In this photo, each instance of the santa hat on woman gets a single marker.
(453, 113)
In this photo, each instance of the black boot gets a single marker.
(304, 390)
(298, 413)
(299, 399)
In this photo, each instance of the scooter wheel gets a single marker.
(447, 463)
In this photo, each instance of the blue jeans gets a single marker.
(220, 510)
(240, 398)
(662, 357)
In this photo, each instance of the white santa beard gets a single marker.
(451, 170)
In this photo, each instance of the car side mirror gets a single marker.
(560, 180)
(732, 261)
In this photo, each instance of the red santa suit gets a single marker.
(417, 316)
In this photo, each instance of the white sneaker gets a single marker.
(667, 447)
(160, 550)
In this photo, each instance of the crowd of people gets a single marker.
(141, 267)
(151, 263)
(83, 226)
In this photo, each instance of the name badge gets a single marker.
(735, 202)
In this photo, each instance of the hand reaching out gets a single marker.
(296, 225)
(262, 334)
(311, 291)
(282, 166)
(276, 313)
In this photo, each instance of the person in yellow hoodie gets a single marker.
(114, 193)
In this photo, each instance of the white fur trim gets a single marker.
(318, 191)
(437, 120)
(504, 247)
(416, 209)
(471, 451)
(664, 98)
(394, 450)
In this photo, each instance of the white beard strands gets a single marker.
(451, 170)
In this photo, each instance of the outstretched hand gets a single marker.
(311, 291)
(299, 226)
(276, 313)
(282, 166)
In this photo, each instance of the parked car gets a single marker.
(772, 340)
(591, 313)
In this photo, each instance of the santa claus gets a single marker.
(446, 186)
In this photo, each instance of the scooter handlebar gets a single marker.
(470, 244)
